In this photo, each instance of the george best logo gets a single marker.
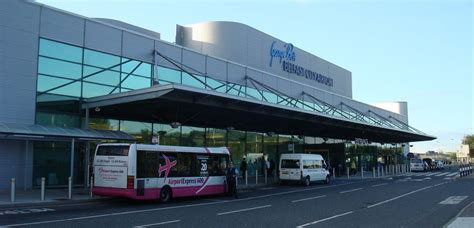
(287, 57)
(287, 54)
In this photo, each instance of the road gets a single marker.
(428, 199)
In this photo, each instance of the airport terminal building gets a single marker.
(68, 82)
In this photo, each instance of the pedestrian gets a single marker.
(353, 167)
(243, 168)
(272, 167)
(231, 173)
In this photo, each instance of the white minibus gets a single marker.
(303, 168)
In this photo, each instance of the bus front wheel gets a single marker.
(165, 194)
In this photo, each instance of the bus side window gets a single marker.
(147, 164)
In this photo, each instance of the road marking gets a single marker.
(377, 185)
(157, 224)
(322, 220)
(175, 207)
(430, 174)
(453, 200)
(441, 174)
(398, 197)
(352, 190)
(316, 197)
(453, 174)
(242, 210)
(25, 211)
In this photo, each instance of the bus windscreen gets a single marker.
(112, 150)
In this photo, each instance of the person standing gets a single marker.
(231, 174)
(243, 168)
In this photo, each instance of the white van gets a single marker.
(303, 168)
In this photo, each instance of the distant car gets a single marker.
(426, 166)
(430, 163)
(439, 165)
(417, 164)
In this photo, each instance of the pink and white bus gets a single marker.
(146, 172)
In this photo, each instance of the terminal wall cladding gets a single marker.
(248, 46)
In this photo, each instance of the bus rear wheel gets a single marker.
(166, 195)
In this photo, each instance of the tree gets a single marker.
(469, 140)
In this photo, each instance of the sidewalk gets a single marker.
(52, 196)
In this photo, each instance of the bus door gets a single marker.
(147, 172)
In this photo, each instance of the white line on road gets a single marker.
(441, 174)
(316, 197)
(242, 210)
(430, 174)
(157, 224)
(453, 174)
(377, 185)
(352, 190)
(453, 200)
(398, 197)
(322, 220)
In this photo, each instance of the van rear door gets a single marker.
(290, 169)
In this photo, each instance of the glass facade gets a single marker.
(68, 74)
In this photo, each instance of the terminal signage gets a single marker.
(287, 59)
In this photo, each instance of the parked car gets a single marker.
(417, 164)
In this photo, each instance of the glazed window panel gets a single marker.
(136, 68)
(94, 90)
(98, 75)
(58, 86)
(193, 81)
(99, 59)
(308, 105)
(271, 97)
(59, 68)
(143, 70)
(215, 85)
(169, 75)
(135, 82)
(253, 93)
(60, 51)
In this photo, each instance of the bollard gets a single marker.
(361, 172)
(333, 173)
(12, 191)
(373, 172)
(266, 172)
(378, 171)
(246, 178)
(347, 172)
(382, 172)
(90, 186)
(43, 181)
(236, 181)
(69, 187)
(256, 176)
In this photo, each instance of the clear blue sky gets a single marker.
(415, 51)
